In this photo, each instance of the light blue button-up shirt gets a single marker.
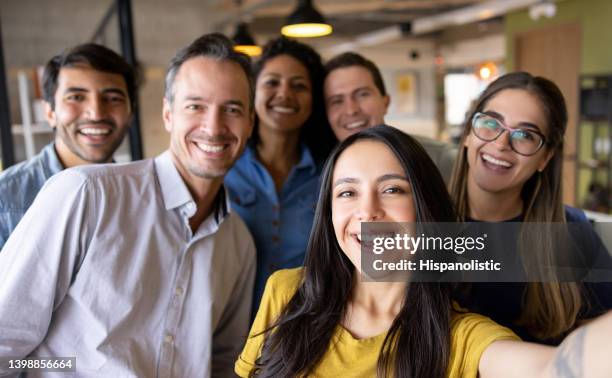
(104, 267)
(280, 222)
(20, 184)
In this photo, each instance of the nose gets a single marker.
(370, 209)
(351, 107)
(95, 108)
(284, 90)
(212, 122)
(503, 141)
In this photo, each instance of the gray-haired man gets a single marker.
(140, 269)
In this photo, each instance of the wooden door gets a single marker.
(554, 52)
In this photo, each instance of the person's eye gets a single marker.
(271, 83)
(394, 190)
(301, 86)
(193, 107)
(524, 135)
(346, 194)
(363, 94)
(233, 111)
(491, 124)
(334, 102)
(115, 99)
(75, 97)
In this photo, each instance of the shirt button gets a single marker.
(179, 291)
(275, 223)
(275, 239)
(169, 339)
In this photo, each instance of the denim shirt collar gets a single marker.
(306, 160)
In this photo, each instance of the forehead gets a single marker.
(366, 160)
(207, 78)
(84, 76)
(345, 79)
(285, 65)
(518, 106)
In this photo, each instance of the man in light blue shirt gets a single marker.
(141, 269)
(88, 92)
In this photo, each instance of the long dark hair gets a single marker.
(418, 342)
(316, 132)
(550, 309)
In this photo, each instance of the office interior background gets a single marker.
(436, 56)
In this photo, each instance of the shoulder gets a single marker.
(286, 280)
(20, 183)
(471, 334)
(115, 170)
(573, 214)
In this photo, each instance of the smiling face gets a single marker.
(493, 166)
(209, 119)
(283, 96)
(91, 115)
(353, 102)
(368, 185)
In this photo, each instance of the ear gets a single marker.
(50, 114)
(545, 160)
(387, 101)
(167, 115)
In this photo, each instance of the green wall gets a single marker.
(595, 19)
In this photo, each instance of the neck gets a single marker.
(203, 190)
(278, 152)
(493, 206)
(378, 297)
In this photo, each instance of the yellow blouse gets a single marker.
(347, 356)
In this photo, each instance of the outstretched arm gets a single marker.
(584, 353)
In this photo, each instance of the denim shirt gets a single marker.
(20, 184)
(280, 222)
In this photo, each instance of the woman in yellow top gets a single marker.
(323, 321)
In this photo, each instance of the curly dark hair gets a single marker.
(316, 132)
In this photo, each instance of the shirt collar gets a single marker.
(52, 161)
(176, 194)
(306, 160)
(174, 190)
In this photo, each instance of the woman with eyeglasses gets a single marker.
(326, 320)
(510, 168)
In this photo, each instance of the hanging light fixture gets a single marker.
(244, 41)
(305, 21)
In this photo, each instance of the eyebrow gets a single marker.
(529, 125)
(274, 74)
(105, 90)
(387, 177)
(226, 103)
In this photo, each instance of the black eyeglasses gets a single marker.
(524, 142)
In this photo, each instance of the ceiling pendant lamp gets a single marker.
(305, 21)
(244, 41)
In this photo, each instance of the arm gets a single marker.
(233, 329)
(37, 265)
(584, 353)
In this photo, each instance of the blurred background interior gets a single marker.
(436, 56)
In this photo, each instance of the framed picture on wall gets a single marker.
(405, 93)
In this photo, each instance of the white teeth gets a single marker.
(210, 147)
(283, 109)
(358, 237)
(357, 124)
(492, 160)
(93, 131)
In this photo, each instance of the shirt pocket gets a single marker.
(243, 198)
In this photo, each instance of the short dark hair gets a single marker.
(214, 46)
(350, 59)
(316, 132)
(98, 57)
